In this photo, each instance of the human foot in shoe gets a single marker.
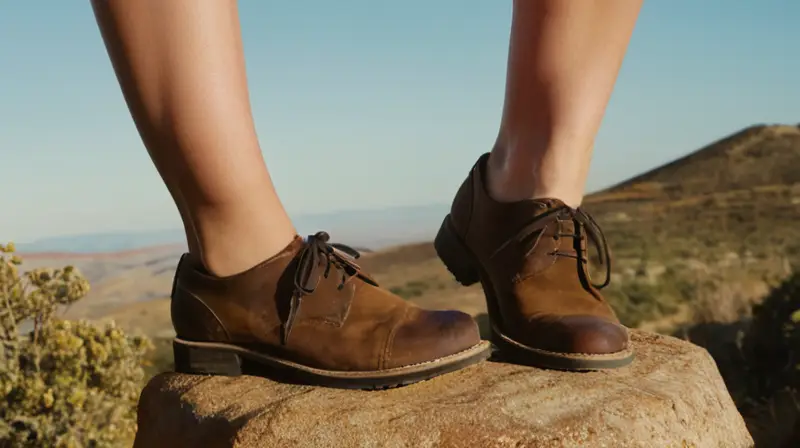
(311, 315)
(531, 259)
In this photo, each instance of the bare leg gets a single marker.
(181, 67)
(563, 61)
(513, 226)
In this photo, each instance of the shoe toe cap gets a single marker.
(425, 336)
(578, 334)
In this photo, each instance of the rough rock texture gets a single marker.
(671, 396)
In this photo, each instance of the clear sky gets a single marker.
(388, 102)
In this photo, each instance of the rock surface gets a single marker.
(671, 396)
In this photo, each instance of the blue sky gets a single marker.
(394, 100)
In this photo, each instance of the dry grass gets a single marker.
(151, 318)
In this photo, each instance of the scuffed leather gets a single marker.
(545, 300)
(346, 324)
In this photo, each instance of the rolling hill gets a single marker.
(741, 193)
(371, 228)
(737, 197)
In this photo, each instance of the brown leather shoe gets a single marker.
(531, 258)
(309, 314)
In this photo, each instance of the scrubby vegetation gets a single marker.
(758, 355)
(772, 344)
(64, 384)
(769, 392)
(417, 288)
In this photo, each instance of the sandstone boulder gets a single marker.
(671, 396)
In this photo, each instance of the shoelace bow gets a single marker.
(316, 254)
(583, 220)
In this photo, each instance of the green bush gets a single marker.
(412, 289)
(636, 301)
(64, 384)
(772, 343)
(765, 376)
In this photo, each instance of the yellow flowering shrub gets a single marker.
(64, 384)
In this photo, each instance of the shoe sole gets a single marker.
(460, 261)
(214, 358)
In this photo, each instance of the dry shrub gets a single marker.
(728, 300)
(759, 359)
(771, 351)
(64, 384)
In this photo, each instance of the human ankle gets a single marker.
(510, 181)
(235, 244)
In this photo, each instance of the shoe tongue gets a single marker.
(538, 206)
(549, 203)
(295, 246)
(286, 254)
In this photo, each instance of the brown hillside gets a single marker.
(734, 201)
(758, 155)
(739, 193)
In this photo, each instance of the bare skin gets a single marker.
(564, 57)
(181, 68)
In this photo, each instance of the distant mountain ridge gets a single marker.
(102, 242)
(372, 229)
(740, 192)
(773, 147)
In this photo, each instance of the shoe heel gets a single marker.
(204, 361)
(454, 255)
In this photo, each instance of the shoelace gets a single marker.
(582, 220)
(318, 253)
